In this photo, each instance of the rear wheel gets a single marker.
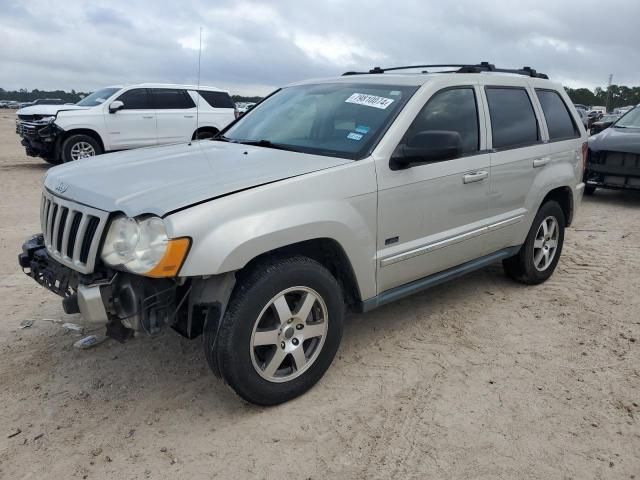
(80, 146)
(590, 189)
(281, 331)
(539, 256)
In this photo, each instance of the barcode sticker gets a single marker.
(370, 100)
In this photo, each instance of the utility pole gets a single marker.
(609, 93)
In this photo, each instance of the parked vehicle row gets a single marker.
(41, 101)
(121, 118)
(356, 190)
(244, 107)
(605, 121)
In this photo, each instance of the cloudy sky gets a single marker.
(250, 47)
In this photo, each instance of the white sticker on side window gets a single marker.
(369, 100)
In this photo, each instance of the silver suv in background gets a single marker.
(351, 191)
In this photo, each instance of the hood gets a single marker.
(47, 110)
(617, 140)
(158, 180)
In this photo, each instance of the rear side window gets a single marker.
(451, 110)
(559, 121)
(217, 99)
(136, 99)
(513, 120)
(167, 98)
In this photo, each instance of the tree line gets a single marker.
(24, 95)
(613, 97)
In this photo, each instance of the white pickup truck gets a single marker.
(121, 118)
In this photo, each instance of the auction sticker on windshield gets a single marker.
(370, 100)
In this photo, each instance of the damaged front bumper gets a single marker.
(40, 139)
(122, 302)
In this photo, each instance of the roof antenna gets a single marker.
(198, 89)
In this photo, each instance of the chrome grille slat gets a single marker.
(48, 229)
(82, 229)
(65, 233)
(72, 232)
(55, 224)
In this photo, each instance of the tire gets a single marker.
(589, 189)
(248, 351)
(524, 267)
(78, 145)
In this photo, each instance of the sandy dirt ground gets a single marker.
(481, 378)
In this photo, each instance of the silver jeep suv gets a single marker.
(351, 191)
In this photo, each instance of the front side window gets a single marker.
(170, 98)
(97, 98)
(559, 121)
(334, 119)
(452, 110)
(136, 99)
(513, 120)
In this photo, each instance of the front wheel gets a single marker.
(539, 256)
(280, 332)
(80, 146)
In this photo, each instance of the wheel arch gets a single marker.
(78, 131)
(326, 251)
(564, 197)
(205, 129)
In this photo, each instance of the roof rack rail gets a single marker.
(459, 68)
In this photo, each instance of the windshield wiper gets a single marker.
(221, 138)
(268, 144)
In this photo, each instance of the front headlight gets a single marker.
(49, 119)
(143, 247)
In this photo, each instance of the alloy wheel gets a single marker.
(289, 333)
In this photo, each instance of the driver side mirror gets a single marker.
(115, 106)
(426, 147)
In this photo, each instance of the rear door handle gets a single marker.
(541, 162)
(147, 116)
(475, 176)
(188, 116)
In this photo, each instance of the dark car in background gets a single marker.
(614, 155)
(592, 117)
(48, 101)
(605, 122)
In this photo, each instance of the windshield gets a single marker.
(630, 120)
(336, 119)
(97, 98)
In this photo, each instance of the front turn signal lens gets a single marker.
(172, 261)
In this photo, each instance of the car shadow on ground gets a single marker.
(627, 198)
(169, 368)
(33, 166)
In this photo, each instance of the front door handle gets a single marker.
(188, 116)
(541, 162)
(475, 176)
(147, 116)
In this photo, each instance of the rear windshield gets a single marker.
(333, 119)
